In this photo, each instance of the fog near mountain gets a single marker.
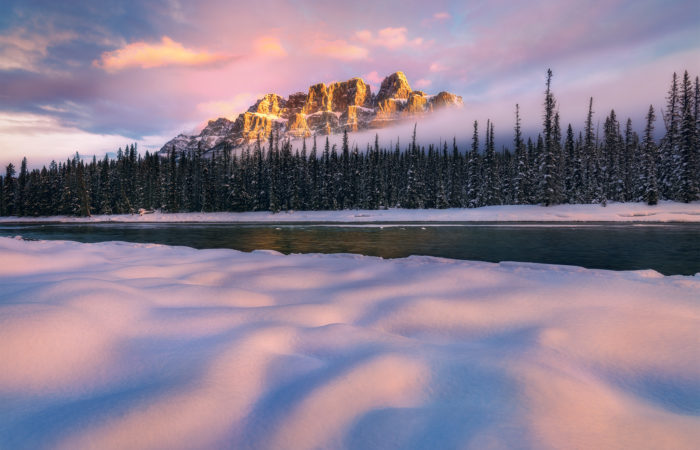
(325, 110)
(457, 123)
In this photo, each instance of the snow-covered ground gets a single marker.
(118, 345)
(613, 212)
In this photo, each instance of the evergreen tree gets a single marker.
(650, 192)
(670, 154)
(82, 191)
(549, 170)
(10, 191)
(521, 181)
(573, 178)
(3, 211)
(473, 171)
(688, 149)
(22, 179)
(548, 166)
(629, 167)
(612, 149)
(490, 171)
(344, 186)
(456, 186)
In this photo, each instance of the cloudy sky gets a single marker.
(93, 75)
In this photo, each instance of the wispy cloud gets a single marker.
(391, 38)
(422, 83)
(373, 77)
(24, 50)
(228, 108)
(339, 49)
(269, 46)
(42, 138)
(165, 53)
(48, 53)
(437, 67)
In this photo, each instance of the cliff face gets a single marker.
(325, 109)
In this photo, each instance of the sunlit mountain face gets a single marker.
(90, 76)
(340, 107)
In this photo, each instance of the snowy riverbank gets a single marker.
(118, 345)
(613, 212)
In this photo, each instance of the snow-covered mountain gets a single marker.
(325, 109)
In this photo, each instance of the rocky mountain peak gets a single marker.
(325, 109)
(394, 86)
(269, 104)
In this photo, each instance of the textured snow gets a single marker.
(118, 345)
(272, 117)
(614, 212)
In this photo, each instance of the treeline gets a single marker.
(558, 166)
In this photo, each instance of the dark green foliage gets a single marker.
(275, 177)
(548, 164)
(688, 145)
(650, 151)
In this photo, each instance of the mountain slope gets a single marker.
(325, 109)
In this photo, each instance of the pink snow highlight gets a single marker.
(665, 211)
(118, 345)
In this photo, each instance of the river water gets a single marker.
(668, 248)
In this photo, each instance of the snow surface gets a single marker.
(117, 345)
(614, 212)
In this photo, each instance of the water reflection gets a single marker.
(667, 248)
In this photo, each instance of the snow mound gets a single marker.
(134, 346)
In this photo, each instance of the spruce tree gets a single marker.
(612, 151)
(594, 191)
(650, 184)
(572, 181)
(490, 171)
(688, 150)
(473, 171)
(629, 167)
(521, 182)
(548, 164)
(670, 154)
(22, 179)
(697, 130)
(2, 197)
(10, 190)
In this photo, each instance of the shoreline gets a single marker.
(664, 212)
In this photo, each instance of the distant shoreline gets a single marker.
(664, 212)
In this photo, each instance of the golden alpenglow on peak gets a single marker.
(324, 109)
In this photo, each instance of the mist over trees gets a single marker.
(552, 168)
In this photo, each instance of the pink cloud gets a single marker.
(373, 77)
(165, 53)
(364, 36)
(269, 46)
(339, 49)
(228, 108)
(422, 83)
(437, 67)
(437, 17)
(391, 38)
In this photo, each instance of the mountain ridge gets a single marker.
(325, 109)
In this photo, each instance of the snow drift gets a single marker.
(118, 345)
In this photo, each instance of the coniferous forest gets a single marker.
(557, 166)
